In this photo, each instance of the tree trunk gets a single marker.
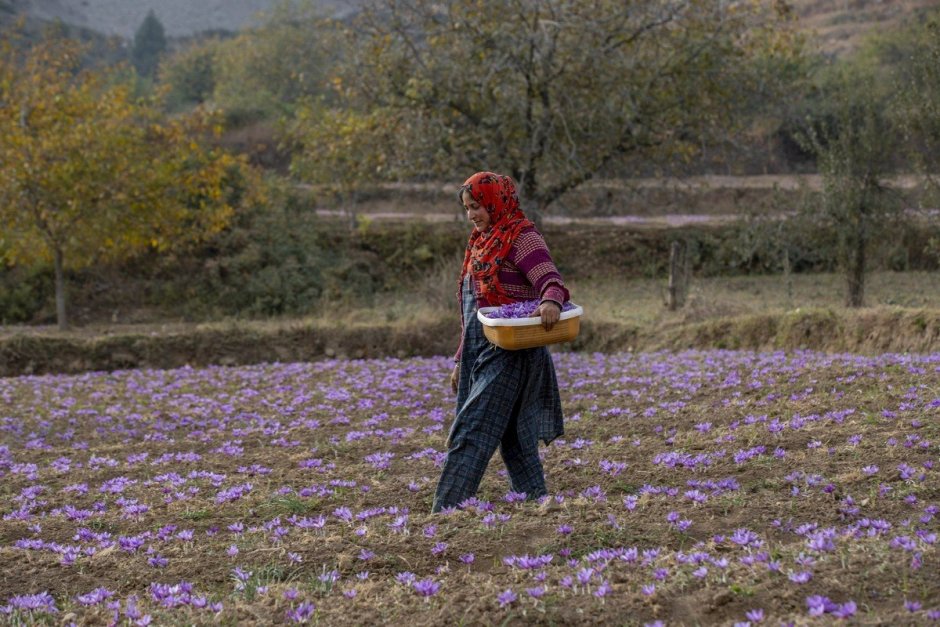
(787, 277)
(533, 211)
(855, 274)
(60, 291)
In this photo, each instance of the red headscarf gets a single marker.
(486, 250)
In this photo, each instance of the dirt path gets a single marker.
(670, 219)
(654, 202)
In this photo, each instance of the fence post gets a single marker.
(678, 275)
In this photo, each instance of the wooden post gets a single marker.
(60, 310)
(677, 275)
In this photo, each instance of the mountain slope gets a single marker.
(839, 25)
(179, 17)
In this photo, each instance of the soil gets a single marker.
(856, 443)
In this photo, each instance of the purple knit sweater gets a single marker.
(528, 273)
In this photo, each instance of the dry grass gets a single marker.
(636, 301)
(641, 301)
(758, 313)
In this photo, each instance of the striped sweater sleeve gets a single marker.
(530, 254)
(462, 323)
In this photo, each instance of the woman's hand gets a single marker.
(455, 378)
(550, 312)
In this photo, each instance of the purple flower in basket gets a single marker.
(522, 309)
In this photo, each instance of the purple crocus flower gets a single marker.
(800, 577)
(522, 309)
(506, 598)
(426, 587)
(755, 615)
(96, 596)
(42, 602)
(846, 610)
(301, 613)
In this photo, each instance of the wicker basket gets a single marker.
(518, 333)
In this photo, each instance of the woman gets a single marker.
(505, 399)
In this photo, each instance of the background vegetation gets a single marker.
(321, 122)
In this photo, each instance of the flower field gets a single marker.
(711, 487)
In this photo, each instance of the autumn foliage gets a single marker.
(88, 172)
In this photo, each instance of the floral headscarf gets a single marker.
(486, 250)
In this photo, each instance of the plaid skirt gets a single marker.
(505, 399)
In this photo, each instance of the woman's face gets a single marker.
(475, 213)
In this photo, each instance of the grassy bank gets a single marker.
(761, 313)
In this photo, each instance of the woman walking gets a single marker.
(505, 399)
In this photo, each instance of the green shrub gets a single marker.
(23, 293)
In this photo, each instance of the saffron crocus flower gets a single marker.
(343, 513)
(846, 610)
(329, 577)
(819, 605)
(400, 524)
(96, 596)
(755, 615)
(800, 577)
(515, 497)
(506, 598)
(301, 613)
(522, 309)
(405, 578)
(426, 587)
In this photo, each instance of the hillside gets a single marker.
(839, 24)
(179, 17)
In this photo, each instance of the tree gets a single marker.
(852, 144)
(189, 75)
(263, 72)
(149, 45)
(917, 101)
(88, 174)
(553, 92)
